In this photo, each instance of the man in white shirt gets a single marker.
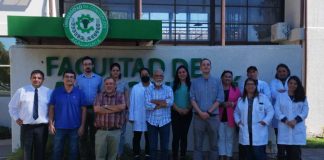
(29, 108)
(263, 87)
(137, 114)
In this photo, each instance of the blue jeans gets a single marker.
(154, 132)
(59, 141)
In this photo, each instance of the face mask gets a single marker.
(145, 79)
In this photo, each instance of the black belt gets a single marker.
(35, 125)
(108, 129)
(89, 106)
(210, 115)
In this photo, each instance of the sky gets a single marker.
(8, 41)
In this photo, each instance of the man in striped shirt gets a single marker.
(158, 100)
(109, 118)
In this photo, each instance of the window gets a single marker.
(247, 21)
(5, 43)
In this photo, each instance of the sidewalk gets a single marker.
(308, 154)
(5, 148)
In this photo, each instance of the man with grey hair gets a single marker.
(158, 102)
(206, 93)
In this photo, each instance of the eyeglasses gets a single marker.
(250, 84)
(67, 77)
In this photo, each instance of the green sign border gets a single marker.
(103, 19)
(119, 29)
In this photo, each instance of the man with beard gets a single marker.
(137, 114)
(29, 108)
(90, 83)
(158, 102)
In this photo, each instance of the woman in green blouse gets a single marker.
(181, 114)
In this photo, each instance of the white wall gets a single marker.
(24, 59)
(315, 65)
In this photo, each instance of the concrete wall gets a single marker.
(315, 65)
(236, 58)
(5, 119)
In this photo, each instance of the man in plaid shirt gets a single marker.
(109, 118)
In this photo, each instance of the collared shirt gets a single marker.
(205, 92)
(162, 116)
(67, 107)
(109, 120)
(90, 86)
(22, 103)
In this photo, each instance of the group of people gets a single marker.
(93, 118)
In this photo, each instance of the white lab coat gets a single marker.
(264, 88)
(262, 111)
(285, 107)
(137, 111)
(276, 85)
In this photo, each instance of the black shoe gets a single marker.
(147, 157)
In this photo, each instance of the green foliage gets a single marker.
(4, 72)
(4, 133)
(315, 142)
(236, 80)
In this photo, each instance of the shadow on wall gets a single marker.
(14, 5)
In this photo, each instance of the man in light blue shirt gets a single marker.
(90, 83)
(206, 93)
(158, 102)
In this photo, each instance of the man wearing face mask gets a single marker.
(158, 102)
(137, 114)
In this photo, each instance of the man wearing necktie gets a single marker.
(29, 108)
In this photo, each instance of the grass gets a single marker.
(315, 142)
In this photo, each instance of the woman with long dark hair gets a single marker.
(277, 86)
(253, 114)
(181, 113)
(122, 87)
(226, 112)
(291, 109)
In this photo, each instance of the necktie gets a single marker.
(35, 109)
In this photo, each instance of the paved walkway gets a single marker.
(308, 154)
(5, 148)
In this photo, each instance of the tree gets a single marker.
(4, 71)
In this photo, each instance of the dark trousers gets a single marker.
(59, 143)
(34, 141)
(180, 128)
(87, 140)
(154, 133)
(137, 143)
(249, 152)
(289, 152)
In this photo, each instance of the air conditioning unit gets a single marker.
(280, 32)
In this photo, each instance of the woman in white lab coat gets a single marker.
(279, 85)
(291, 109)
(253, 114)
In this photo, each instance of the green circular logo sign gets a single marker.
(85, 25)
